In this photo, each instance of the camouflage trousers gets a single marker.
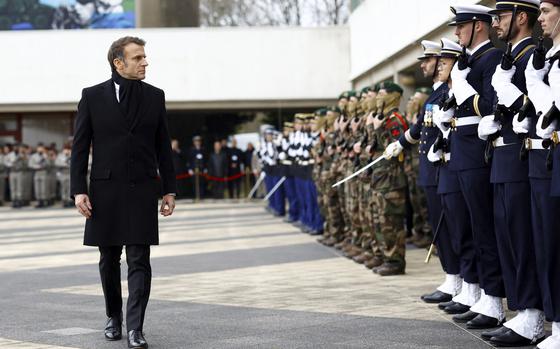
(420, 220)
(334, 220)
(367, 240)
(353, 197)
(389, 213)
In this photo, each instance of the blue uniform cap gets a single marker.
(531, 6)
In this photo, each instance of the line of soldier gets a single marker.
(40, 174)
(489, 166)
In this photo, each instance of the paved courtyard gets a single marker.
(226, 275)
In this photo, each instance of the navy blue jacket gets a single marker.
(506, 165)
(467, 150)
(427, 133)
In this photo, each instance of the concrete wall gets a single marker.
(197, 67)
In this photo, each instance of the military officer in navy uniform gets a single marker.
(454, 207)
(545, 198)
(474, 95)
(424, 131)
(513, 22)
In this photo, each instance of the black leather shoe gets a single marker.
(456, 308)
(436, 297)
(113, 329)
(481, 322)
(510, 339)
(136, 340)
(444, 305)
(465, 317)
(489, 334)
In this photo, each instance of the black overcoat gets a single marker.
(132, 165)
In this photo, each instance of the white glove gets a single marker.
(488, 126)
(507, 92)
(392, 150)
(441, 117)
(532, 73)
(554, 82)
(458, 74)
(357, 147)
(434, 156)
(520, 126)
(547, 132)
(539, 92)
(282, 156)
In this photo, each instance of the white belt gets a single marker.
(304, 163)
(286, 162)
(533, 144)
(499, 142)
(466, 121)
(446, 157)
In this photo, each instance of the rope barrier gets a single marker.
(211, 178)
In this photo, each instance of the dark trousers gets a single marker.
(315, 217)
(477, 192)
(234, 188)
(512, 222)
(460, 232)
(139, 282)
(293, 200)
(546, 235)
(448, 256)
(303, 195)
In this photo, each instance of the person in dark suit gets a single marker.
(196, 164)
(180, 167)
(235, 160)
(124, 120)
(218, 167)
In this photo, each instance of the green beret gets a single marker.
(375, 88)
(347, 94)
(334, 109)
(424, 90)
(390, 86)
(321, 112)
(364, 91)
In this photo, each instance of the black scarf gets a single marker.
(130, 96)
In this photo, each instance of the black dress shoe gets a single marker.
(136, 340)
(456, 308)
(465, 317)
(437, 297)
(489, 334)
(481, 322)
(113, 329)
(444, 305)
(510, 339)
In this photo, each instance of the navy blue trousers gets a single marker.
(303, 195)
(315, 217)
(292, 197)
(277, 201)
(477, 192)
(460, 232)
(512, 223)
(448, 256)
(545, 211)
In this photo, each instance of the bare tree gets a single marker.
(273, 12)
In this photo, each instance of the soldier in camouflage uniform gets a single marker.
(389, 182)
(39, 163)
(3, 175)
(340, 167)
(335, 229)
(317, 127)
(16, 162)
(418, 224)
(371, 256)
(353, 188)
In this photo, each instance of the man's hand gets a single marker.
(167, 205)
(83, 205)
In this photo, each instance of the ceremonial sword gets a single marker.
(257, 184)
(359, 171)
(440, 222)
(275, 188)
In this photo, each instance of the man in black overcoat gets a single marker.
(124, 120)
